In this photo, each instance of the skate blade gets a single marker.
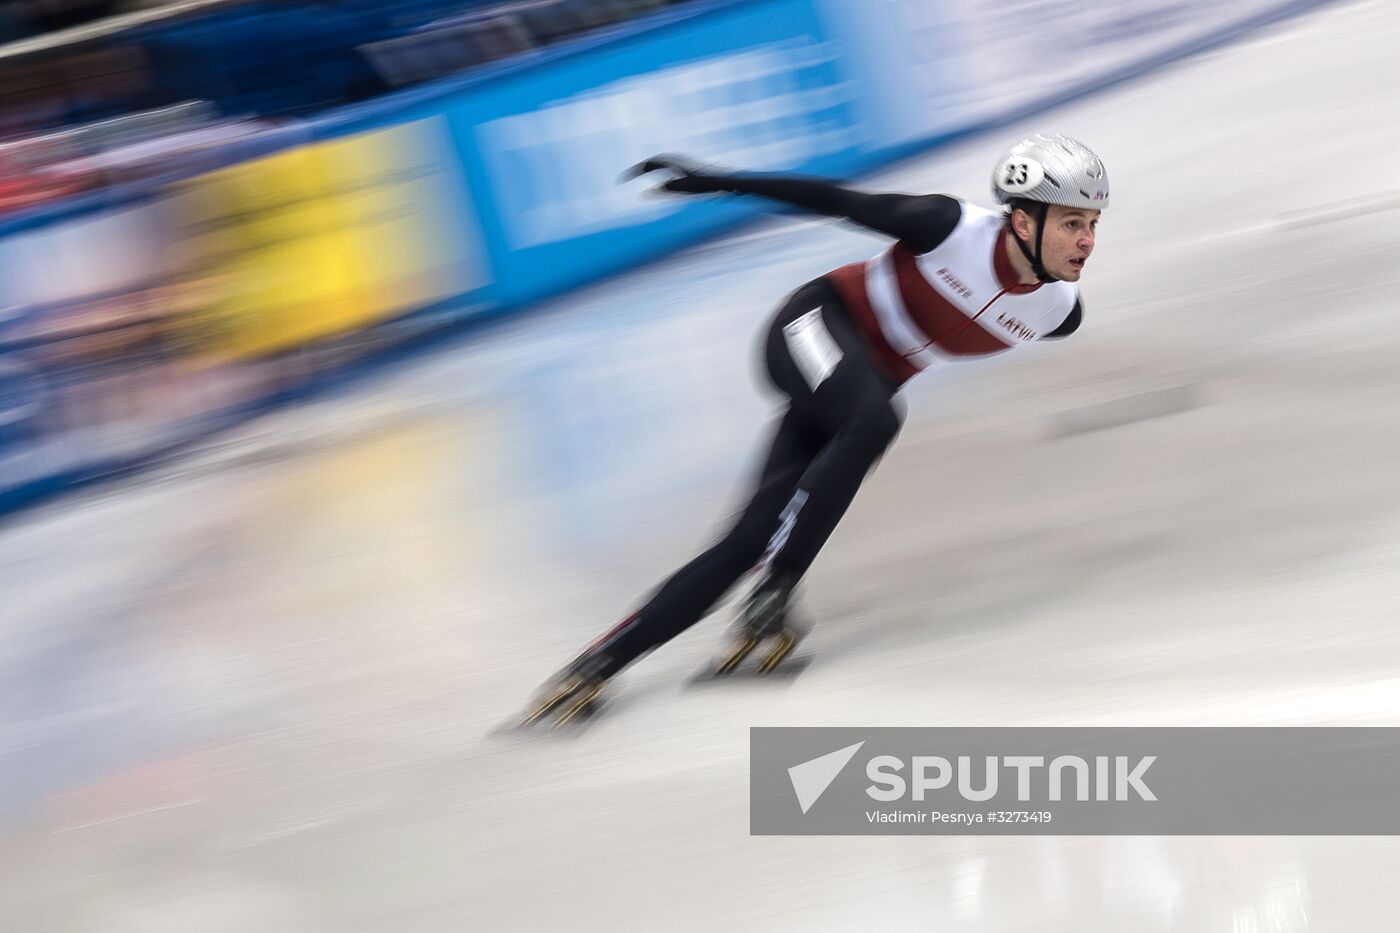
(785, 642)
(549, 731)
(780, 665)
(565, 712)
(582, 708)
(545, 707)
(736, 657)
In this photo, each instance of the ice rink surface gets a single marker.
(256, 690)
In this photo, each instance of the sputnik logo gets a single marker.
(811, 778)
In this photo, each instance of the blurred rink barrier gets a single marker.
(210, 282)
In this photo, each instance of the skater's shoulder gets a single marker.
(924, 222)
(944, 209)
(973, 216)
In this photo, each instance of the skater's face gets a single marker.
(1068, 241)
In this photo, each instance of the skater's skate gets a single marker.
(765, 619)
(574, 694)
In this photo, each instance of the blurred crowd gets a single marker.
(95, 92)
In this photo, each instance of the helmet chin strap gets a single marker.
(1034, 258)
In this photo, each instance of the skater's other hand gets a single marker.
(687, 177)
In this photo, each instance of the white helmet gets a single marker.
(1051, 169)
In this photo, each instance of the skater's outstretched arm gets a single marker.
(920, 221)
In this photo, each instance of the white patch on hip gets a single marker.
(813, 348)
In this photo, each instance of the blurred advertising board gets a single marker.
(130, 332)
(757, 84)
(324, 239)
(927, 68)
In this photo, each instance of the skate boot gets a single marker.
(765, 619)
(574, 693)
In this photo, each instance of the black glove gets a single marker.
(687, 177)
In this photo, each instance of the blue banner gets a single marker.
(758, 85)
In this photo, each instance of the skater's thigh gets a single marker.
(819, 359)
(791, 450)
